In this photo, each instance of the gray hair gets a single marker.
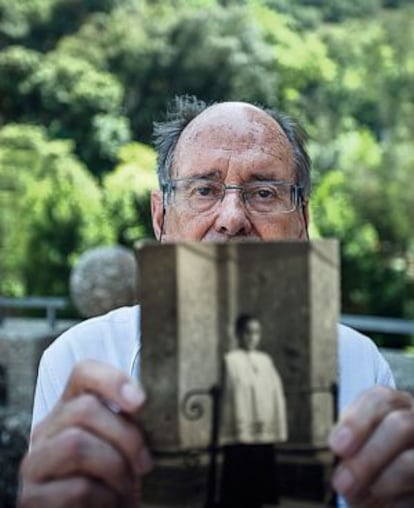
(184, 109)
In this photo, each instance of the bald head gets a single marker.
(242, 125)
(190, 119)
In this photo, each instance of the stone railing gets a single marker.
(49, 303)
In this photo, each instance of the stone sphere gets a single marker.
(103, 279)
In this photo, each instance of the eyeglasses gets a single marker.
(202, 194)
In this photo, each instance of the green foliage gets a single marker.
(127, 192)
(300, 60)
(310, 12)
(18, 18)
(160, 51)
(338, 10)
(53, 211)
(40, 23)
(97, 73)
(73, 98)
(17, 64)
(81, 103)
(366, 205)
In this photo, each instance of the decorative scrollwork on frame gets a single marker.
(192, 407)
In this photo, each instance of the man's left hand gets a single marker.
(374, 441)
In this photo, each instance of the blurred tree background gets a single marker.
(82, 81)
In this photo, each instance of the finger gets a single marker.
(75, 452)
(380, 454)
(108, 382)
(360, 419)
(73, 492)
(91, 414)
(397, 480)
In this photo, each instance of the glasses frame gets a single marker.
(297, 198)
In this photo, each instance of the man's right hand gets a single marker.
(89, 451)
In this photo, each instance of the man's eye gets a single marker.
(264, 193)
(205, 191)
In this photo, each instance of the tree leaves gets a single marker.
(80, 80)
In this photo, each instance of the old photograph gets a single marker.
(240, 366)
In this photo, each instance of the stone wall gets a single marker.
(22, 342)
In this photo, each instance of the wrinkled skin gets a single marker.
(85, 454)
(234, 143)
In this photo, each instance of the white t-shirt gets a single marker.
(114, 338)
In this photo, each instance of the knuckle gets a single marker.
(115, 455)
(401, 423)
(137, 445)
(86, 406)
(79, 369)
(84, 453)
(120, 475)
(74, 441)
(407, 399)
(381, 393)
(376, 396)
(118, 466)
(135, 438)
(398, 399)
(392, 398)
(383, 390)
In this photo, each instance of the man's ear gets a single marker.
(157, 212)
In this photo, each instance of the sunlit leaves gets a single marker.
(53, 209)
(127, 190)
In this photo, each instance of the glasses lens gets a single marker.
(270, 197)
(201, 195)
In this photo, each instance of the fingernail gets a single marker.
(343, 480)
(132, 395)
(145, 461)
(341, 439)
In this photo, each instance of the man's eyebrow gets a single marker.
(213, 174)
(262, 177)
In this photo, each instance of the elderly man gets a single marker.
(251, 170)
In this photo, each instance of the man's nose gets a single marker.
(232, 218)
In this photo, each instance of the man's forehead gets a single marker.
(233, 126)
(238, 117)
